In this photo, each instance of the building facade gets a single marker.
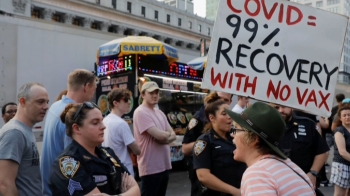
(212, 9)
(44, 40)
(186, 5)
(126, 17)
(340, 7)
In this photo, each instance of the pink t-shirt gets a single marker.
(154, 157)
(270, 177)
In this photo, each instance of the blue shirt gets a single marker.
(54, 142)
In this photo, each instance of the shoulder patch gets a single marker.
(199, 146)
(193, 122)
(68, 166)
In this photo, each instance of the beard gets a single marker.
(286, 117)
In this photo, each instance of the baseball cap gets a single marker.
(149, 86)
(347, 100)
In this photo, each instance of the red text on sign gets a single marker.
(269, 12)
(304, 98)
(222, 81)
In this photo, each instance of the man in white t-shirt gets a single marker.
(241, 105)
(117, 134)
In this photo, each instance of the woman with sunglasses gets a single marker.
(257, 132)
(213, 152)
(84, 167)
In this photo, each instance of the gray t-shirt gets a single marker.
(18, 143)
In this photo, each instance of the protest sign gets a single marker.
(276, 51)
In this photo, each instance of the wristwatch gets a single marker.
(314, 173)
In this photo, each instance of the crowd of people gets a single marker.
(253, 149)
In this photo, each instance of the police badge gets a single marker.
(199, 146)
(193, 122)
(69, 166)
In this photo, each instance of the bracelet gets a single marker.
(314, 173)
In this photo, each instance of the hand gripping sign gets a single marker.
(276, 51)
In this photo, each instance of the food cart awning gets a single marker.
(198, 63)
(138, 45)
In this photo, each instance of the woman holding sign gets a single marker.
(213, 152)
(257, 132)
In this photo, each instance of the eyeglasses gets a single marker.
(11, 112)
(234, 130)
(89, 105)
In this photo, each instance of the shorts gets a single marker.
(340, 175)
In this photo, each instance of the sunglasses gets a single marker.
(235, 130)
(89, 105)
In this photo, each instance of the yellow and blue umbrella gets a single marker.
(198, 63)
(140, 45)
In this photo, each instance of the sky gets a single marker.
(199, 7)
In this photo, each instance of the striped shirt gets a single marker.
(269, 176)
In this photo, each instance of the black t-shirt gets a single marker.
(337, 157)
(302, 142)
(216, 154)
(77, 172)
(334, 111)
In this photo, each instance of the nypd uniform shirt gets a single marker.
(216, 154)
(195, 126)
(302, 142)
(77, 172)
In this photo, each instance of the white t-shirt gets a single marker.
(237, 109)
(118, 136)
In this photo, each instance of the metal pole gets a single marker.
(136, 89)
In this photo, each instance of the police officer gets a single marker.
(302, 143)
(193, 130)
(213, 159)
(83, 168)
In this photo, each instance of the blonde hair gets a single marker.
(261, 146)
(80, 77)
(249, 137)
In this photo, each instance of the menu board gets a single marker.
(124, 81)
(112, 65)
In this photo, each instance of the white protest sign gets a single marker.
(276, 51)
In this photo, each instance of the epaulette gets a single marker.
(295, 117)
